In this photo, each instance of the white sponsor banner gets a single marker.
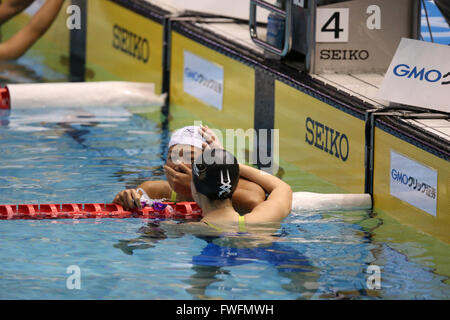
(419, 75)
(203, 79)
(413, 183)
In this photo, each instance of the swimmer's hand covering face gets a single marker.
(211, 140)
(179, 178)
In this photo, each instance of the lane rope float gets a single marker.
(311, 201)
(169, 210)
(302, 201)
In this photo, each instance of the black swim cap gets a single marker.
(216, 174)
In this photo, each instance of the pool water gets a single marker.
(88, 155)
(83, 156)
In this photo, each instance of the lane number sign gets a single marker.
(332, 25)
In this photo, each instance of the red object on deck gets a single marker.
(179, 210)
(5, 99)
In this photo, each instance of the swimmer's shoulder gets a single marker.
(157, 189)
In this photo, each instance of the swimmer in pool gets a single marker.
(20, 42)
(184, 146)
(232, 239)
(216, 173)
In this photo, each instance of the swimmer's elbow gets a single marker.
(284, 200)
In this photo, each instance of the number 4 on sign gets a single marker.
(332, 25)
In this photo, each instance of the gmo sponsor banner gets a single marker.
(413, 183)
(203, 80)
(419, 75)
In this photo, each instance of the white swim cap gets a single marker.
(188, 136)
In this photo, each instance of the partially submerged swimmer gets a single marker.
(184, 147)
(214, 180)
(215, 176)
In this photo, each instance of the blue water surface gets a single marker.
(88, 155)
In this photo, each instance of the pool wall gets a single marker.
(108, 57)
(322, 131)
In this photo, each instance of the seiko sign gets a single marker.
(327, 139)
(131, 44)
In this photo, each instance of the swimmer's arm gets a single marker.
(247, 196)
(180, 176)
(10, 8)
(278, 204)
(19, 43)
(130, 198)
(157, 189)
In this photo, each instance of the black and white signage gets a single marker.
(332, 25)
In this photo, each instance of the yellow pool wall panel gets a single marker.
(53, 48)
(238, 88)
(406, 213)
(122, 45)
(319, 138)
